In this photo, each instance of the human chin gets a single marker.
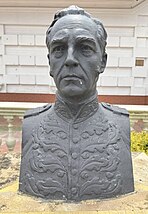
(71, 89)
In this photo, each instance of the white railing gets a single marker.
(10, 133)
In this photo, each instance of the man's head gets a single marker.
(76, 44)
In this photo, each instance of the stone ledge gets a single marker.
(27, 105)
(138, 113)
(18, 203)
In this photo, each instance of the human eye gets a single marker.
(58, 50)
(86, 50)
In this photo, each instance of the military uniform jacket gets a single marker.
(86, 156)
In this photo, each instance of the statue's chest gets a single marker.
(75, 161)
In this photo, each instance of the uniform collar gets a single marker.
(86, 110)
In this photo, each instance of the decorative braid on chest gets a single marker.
(74, 161)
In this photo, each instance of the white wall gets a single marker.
(23, 62)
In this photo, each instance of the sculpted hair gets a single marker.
(74, 10)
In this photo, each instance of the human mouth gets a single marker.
(73, 78)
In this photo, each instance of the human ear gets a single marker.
(103, 62)
(48, 58)
(51, 74)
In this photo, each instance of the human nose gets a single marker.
(71, 60)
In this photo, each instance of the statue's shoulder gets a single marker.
(37, 111)
(32, 119)
(120, 117)
(115, 109)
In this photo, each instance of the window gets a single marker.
(139, 62)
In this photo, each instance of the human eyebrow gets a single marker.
(86, 39)
(58, 40)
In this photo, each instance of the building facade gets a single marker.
(24, 66)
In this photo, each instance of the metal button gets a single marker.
(76, 140)
(74, 155)
(74, 171)
(74, 190)
(75, 126)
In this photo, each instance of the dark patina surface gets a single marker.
(77, 148)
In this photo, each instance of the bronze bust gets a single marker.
(77, 148)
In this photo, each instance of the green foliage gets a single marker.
(139, 141)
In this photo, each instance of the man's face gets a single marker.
(75, 55)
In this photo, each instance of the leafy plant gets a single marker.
(139, 141)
